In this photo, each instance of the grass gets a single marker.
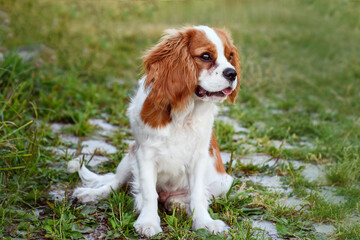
(301, 72)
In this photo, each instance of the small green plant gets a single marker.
(289, 221)
(63, 224)
(119, 207)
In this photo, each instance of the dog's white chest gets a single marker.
(177, 153)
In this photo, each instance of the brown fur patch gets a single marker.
(215, 152)
(199, 45)
(153, 115)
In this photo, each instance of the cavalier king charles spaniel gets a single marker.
(175, 158)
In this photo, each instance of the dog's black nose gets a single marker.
(229, 74)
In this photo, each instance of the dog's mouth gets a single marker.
(201, 92)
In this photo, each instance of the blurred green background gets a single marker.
(299, 58)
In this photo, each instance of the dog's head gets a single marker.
(198, 62)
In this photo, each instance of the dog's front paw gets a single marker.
(146, 227)
(212, 226)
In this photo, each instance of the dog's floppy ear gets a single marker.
(171, 77)
(235, 61)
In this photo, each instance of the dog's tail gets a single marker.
(94, 186)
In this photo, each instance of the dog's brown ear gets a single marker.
(171, 77)
(235, 61)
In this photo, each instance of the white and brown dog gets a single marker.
(175, 157)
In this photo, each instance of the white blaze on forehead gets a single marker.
(214, 38)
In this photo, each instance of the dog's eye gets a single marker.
(206, 57)
(230, 57)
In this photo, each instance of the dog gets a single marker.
(175, 158)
